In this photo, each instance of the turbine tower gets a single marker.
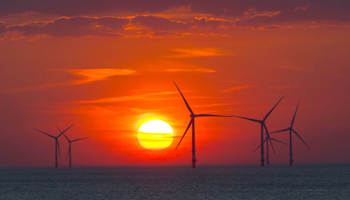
(263, 126)
(69, 153)
(57, 145)
(290, 129)
(193, 116)
(267, 148)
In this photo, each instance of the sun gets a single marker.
(155, 134)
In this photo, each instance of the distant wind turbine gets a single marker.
(267, 148)
(263, 126)
(290, 129)
(57, 145)
(69, 153)
(193, 116)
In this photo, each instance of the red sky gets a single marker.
(105, 65)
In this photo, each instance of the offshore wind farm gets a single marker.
(235, 130)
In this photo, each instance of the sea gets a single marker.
(177, 182)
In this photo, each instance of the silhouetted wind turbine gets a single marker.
(263, 126)
(290, 129)
(193, 116)
(267, 148)
(57, 145)
(70, 147)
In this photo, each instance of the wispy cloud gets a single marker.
(155, 96)
(90, 75)
(124, 98)
(191, 70)
(213, 105)
(281, 87)
(237, 88)
(197, 52)
(139, 110)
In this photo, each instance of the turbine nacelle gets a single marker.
(192, 116)
(263, 126)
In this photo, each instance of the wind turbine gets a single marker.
(263, 126)
(57, 145)
(70, 149)
(193, 116)
(290, 129)
(267, 148)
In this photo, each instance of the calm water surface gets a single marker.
(205, 182)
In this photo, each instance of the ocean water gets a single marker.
(180, 182)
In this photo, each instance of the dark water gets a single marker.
(204, 182)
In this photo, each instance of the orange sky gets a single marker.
(105, 67)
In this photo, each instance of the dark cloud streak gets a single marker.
(316, 9)
(249, 13)
(165, 24)
(79, 7)
(74, 27)
(2, 28)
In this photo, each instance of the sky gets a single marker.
(108, 65)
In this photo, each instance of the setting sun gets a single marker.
(155, 135)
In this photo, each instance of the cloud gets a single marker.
(191, 70)
(237, 88)
(124, 98)
(197, 52)
(150, 26)
(2, 28)
(78, 7)
(90, 75)
(205, 15)
(296, 10)
(156, 23)
(281, 87)
(213, 105)
(160, 23)
(155, 96)
(74, 27)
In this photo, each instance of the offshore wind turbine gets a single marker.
(193, 116)
(290, 129)
(69, 153)
(57, 144)
(263, 126)
(267, 148)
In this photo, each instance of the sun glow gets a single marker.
(155, 134)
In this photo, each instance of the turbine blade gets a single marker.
(66, 137)
(58, 146)
(278, 141)
(58, 128)
(209, 115)
(272, 109)
(294, 115)
(80, 139)
(189, 125)
(259, 146)
(269, 138)
(65, 130)
(254, 120)
(68, 152)
(45, 133)
(301, 138)
(280, 130)
(188, 106)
